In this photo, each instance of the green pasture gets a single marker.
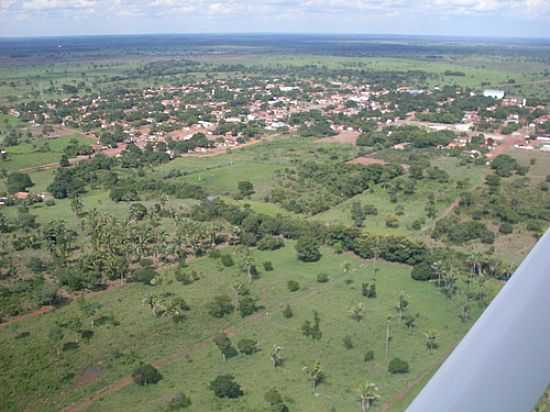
(188, 359)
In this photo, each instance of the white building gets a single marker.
(495, 94)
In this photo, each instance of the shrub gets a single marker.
(422, 272)
(145, 275)
(36, 265)
(224, 386)
(348, 342)
(270, 242)
(248, 346)
(247, 306)
(398, 366)
(179, 401)
(287, 312)
(268, 266)
(506, 228)
(322, 278)
(307, 249)
(146, 375)
(275, 400)
(369, 356)
(227, 261)
(293, 286)
(225, 346)
(220, 307)
(214, 254)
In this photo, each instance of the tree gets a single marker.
(358, 214)
(431, 340)
(402, 305)
(225, 346)
(137, 211)
(56, 335)
(431, 210)
(388, 336)
(314, 374)
(275, 400)
(357, 312)
(64, 161)
(76, 205)
(246, 188)
(368, 395)
(287, 312)
(398, 366)
(248, 346)
(224, 386)
(221, 306)
(276, 358)
(146, 375)
(18, 182)
(307, 249)
(179, 401)
(313, 330)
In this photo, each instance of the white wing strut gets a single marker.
(503, 363)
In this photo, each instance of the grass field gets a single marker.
(188, 359)
(413, 205)
(27, 156)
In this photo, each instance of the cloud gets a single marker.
(245, 12)
(41, 5)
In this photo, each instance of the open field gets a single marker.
(194, 360)
(91, 278)
(26, 156)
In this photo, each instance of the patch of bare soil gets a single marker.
(341, 138)
(367, 161)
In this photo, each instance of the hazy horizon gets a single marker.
(468, 18)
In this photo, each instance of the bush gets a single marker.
(214, 254)
(145, 275)
(220, 307)
(348, 342)
(275, 400)
(225, 346)
(369, 356)
(322, 278)
(422, 272)
(506, 228)
(36, 265)
(179, 401)
(287, 312)
(247, 306)
(398, 366)
(293, 286)
(307, 249)
(268, 266)
(146, 375)
(248, 346)
(224, 386)
(227, 261)
(270, 243)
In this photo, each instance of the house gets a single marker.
(21, 195)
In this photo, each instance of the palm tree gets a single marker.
(314, 374)
(368, 394)
(431, 343)
(357, 311)
(276, 357)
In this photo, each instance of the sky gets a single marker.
(492, 18)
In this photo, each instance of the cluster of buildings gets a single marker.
(225, 111)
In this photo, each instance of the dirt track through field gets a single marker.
(34, 314)
(122, 383)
